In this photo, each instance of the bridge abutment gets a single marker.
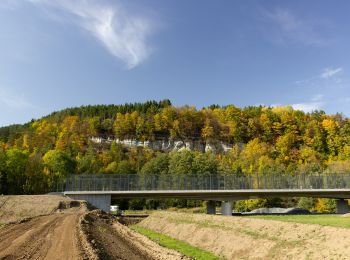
(226, 208)
(342, 206)
(211, 209)
(100, 201)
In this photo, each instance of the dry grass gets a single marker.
(15, 208)
(250, 238)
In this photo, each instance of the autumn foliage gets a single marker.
(264, 140)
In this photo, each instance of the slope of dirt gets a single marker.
(42, 227)
(46, 237)
(55, 227)
(16, 208)
(247, 238)
(113, 240)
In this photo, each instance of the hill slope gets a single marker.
(257, 140)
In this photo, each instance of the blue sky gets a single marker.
(62, 53)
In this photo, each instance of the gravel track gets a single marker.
(45, 237)
(113, 240)
(52, 227)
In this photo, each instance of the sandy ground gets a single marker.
(39, 227)
(15, 208)
(248, 238)
(47, 237)
(113, 240)
(54, 227)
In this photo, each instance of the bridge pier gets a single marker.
(211, 210)
(100, 201)
(342, 206)
(226, 208)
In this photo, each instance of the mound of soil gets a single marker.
(112, 240)
(17, 208)
(55, 227)
(44, 227)
(250, 238)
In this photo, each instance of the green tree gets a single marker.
(89, 163)
(205, 163)
(158, 165)
(58, 165)
(181, 162)
(36, 180)
(16, 164)
(125, 167)
(3, 175)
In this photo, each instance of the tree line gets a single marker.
(264, 140)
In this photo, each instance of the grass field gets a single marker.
(324, 220)
(175, 244)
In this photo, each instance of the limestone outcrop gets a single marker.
(169, 145)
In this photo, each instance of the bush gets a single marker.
(249, 205)
(307, 203)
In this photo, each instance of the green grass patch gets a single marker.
(172, 243)
(324, 220)
(137, 212)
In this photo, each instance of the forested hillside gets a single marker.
(263, 139)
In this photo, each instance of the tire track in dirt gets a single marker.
(112, 240)
(46, 237)
(51, 227)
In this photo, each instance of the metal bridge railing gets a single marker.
(137, 182)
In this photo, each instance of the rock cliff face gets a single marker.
(169, 145)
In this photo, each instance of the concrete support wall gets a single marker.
(342, 206)
(100, 201)
(211, 207)
(226, 208)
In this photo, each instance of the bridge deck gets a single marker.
(221, 194)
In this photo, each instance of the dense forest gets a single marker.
(264, 140)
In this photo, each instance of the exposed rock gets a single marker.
(169, 145)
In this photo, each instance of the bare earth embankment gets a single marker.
(54, 227)
(39, 227)
(250, 238)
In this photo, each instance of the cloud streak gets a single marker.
(316, 103)
(286, 26)
(330, 72)
(122, 34)
(307, 107)
(13, 101)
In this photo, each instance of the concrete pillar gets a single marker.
(342, 206)
(211, 207)
(226, 208)
(100, 201)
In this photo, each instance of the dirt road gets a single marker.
(68, 230)
(46, 237)
(116, 241)
(111, 243)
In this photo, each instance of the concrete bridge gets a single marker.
(99, 190)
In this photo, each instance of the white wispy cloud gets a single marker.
(286, 26)
(328, 77)
(307, 107)
(13, 101)
(330, 72)
(122, 33)
(315, 103)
